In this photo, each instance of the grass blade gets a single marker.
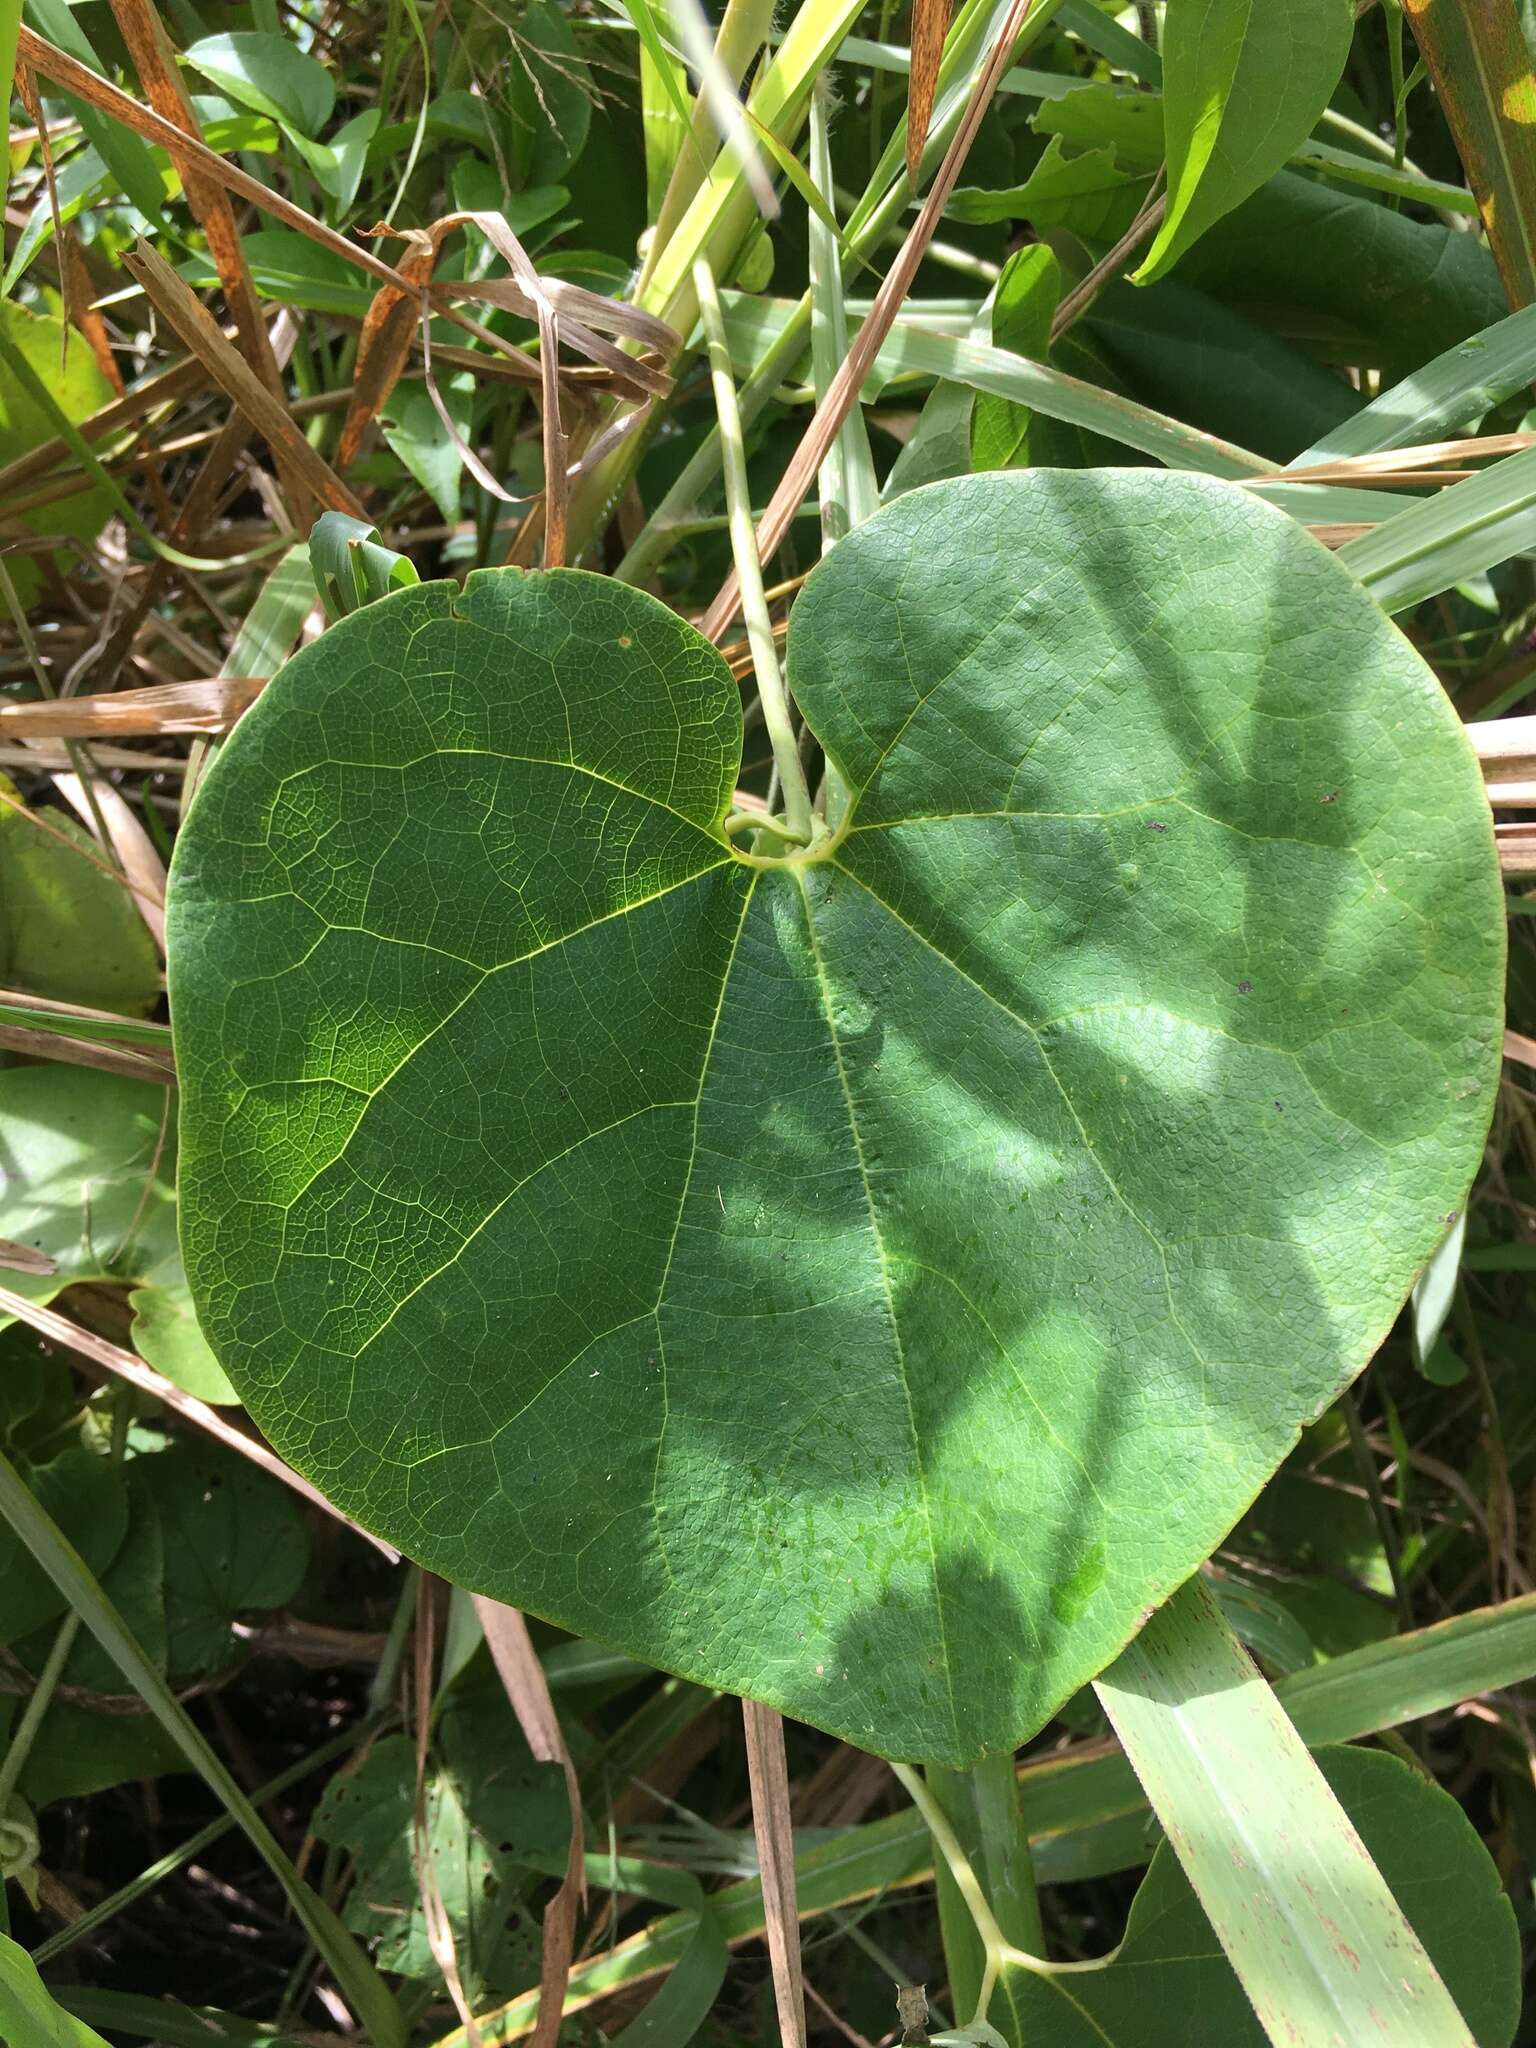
(850, 490)
(1462, 531)
(1440, 399)
(1085, 1812)
(1321, 1946)
(913, 347)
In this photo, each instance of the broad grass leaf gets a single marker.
(1169, 1982)
(865, 1282)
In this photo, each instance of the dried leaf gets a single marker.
(930, 25)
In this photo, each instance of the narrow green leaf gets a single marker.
(1323, 1949)
(912, 346)
(849, 487)
(1443, 398)
(28, 2016)
(1244, 83)
(359, 1983)
(1101, 32)
(130, 160)
(273, 622)
(10, 23)
(99, 1030)
(1348, 168)
(666, 104)
(1446, 539)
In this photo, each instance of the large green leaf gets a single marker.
(867, 1280)
(1244, 82)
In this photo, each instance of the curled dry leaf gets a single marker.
(930, 25)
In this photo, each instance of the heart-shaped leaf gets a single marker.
(864, 1280)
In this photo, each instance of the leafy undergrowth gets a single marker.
(310, 1799)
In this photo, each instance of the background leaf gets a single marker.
(79, 1181)
(1243, 83)
(69, 928)
(62, 358)
(269, 74)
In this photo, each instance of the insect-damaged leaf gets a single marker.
(867, 1281)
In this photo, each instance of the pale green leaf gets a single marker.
(1445, 396)
(1308, 1923)
(1169, 1985)
(1451, 537)
(28, 2016)
(625, 1227)
(1244, 82)
(89, 1181)
(70, 930)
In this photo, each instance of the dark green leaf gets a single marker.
(549, 96)
(627, 1229)
(86, 1497)
(235, 1543)
(494, 1818)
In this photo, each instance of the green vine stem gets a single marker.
(777, 717)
